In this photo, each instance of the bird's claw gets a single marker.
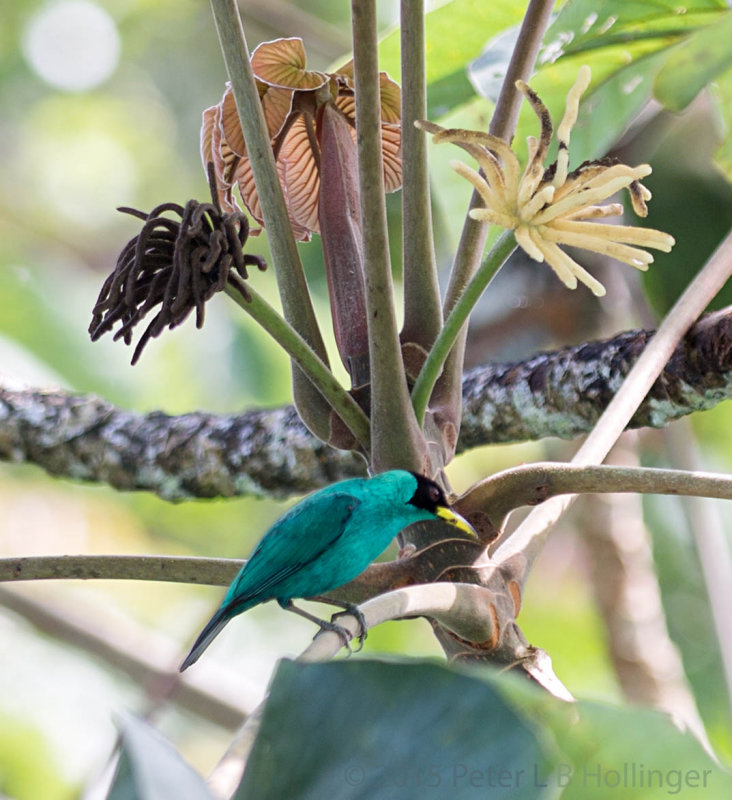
(333, 627)
(356, 612)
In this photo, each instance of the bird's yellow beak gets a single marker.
(453, 518)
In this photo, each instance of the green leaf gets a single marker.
(625, 44)
(695, 62)
(369, 729)
(722, 94)
(610, 752)
(150, 768)
(376, 730)
(589, 25)
(689, 614)
(630, 752)
(455, 32)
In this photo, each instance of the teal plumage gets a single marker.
(326, 540)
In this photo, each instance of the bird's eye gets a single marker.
(435, 494)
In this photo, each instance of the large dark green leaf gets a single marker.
(610, 751)
(455, 33)
(696, 61)
(584, 25)
(374, 730)
(378, 730)
(628, 46)
(689, 614)
(633, 753)
(150, 768)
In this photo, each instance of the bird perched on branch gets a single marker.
(326, 540)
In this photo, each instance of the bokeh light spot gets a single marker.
(72, 44)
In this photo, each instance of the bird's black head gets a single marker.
(428, 495)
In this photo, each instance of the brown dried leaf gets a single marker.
(225, 161)
(301, 179)
(391, 99)
(391, 145)
(282, 63)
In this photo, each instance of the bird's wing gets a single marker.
(295, 540)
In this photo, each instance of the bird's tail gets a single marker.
(207, 635)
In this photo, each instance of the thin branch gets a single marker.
(474, 233)
(529, 537)
(296, 302)
(457, 318)
(305, 357)
(463, 608)
(422, 311)
(142, 658)
(173, 569)
(395, 436)
(532, 484)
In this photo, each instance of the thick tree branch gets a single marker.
(269, 452)
(563, 393)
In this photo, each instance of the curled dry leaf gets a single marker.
(293, 99)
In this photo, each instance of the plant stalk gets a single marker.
(422, 311)
(295, 297)
(305, 357)
(447, 393)
(456, 322)
(395, 436)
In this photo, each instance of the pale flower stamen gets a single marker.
(570, 117)
(491, 198)
(551, 207)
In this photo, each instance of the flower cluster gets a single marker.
(551, 207)
(177, 265)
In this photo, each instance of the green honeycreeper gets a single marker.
(326, 540)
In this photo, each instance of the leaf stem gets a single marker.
(456, 321)
(305, 357)
(472, 240)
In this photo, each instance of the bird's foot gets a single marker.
(354, 611)
(345, 635)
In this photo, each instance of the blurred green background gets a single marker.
(100, 106)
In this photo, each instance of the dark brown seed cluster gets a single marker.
(175, 264)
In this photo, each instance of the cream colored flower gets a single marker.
(552, 207)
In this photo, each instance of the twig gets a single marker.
(175, 569)
(532, 484)
(305, 357)
(529, 536)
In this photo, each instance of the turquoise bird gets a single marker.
(326, 540)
